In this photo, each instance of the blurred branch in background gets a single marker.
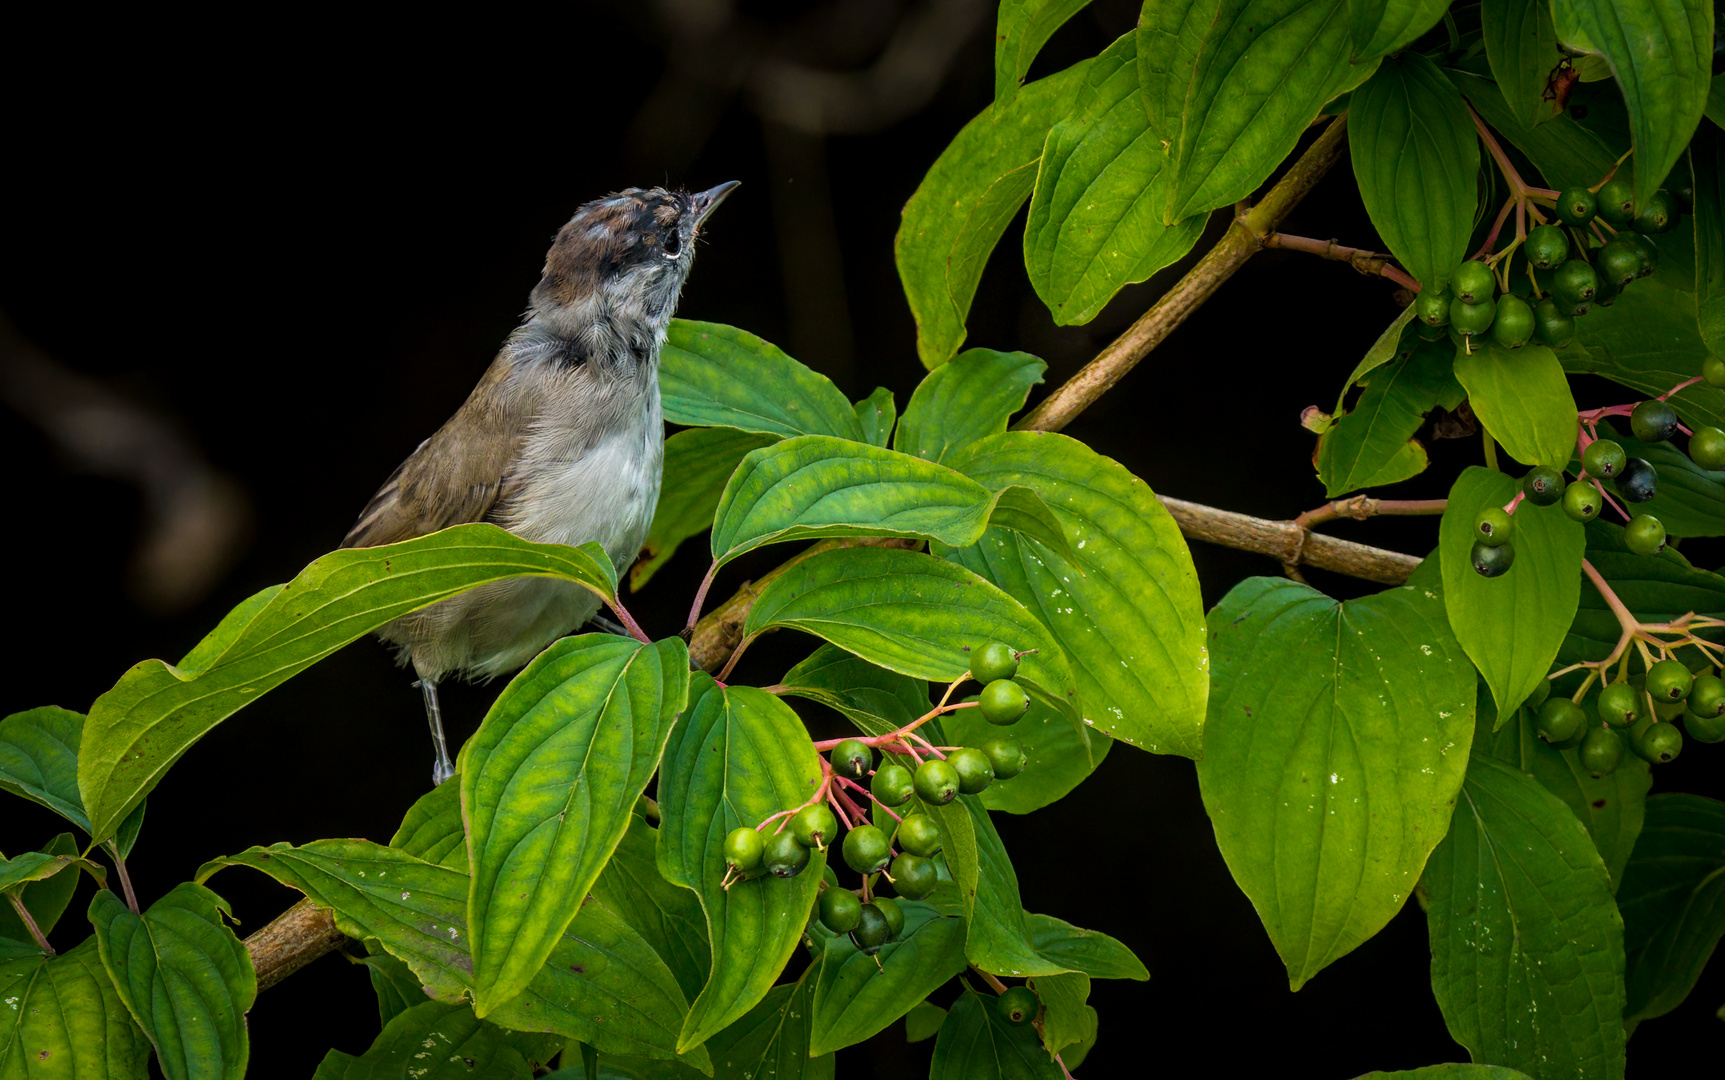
(196, 519)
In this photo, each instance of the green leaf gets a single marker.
(1023, 28)
(1707, 158)
(697, 464)
(1661, 52)
(738, 755)
(877, 414)
(911, 614)
(1362, 444)
(771, 1041)
(46, 898)
(1401, 336)
(433, 830)
(1673, 901)
(1527, 947)
(394, 984)
(541, 822)
(31, 866)
(1657, 588)
(1521, 44)
(1124, 606)
(1565, 153)
(1511, 626)
(1451, 1071)
(186, 978)
(1649, 340)
(157, 711)
(1381, 27)
(1058, 754)
(1332, 755)
(1691, 500)
(667, 917)
(977, 1041)
(1416, 158)
(1096, 218)
(854, 998)
(434, 1041)
(39, 759)
(965, 202)
(999, 940)
(1090, 951)
(1522, 398)
(64, 1018)
(1066, 1019)
(966, 399)
(923, 1022)
(872, 697)
(712, 375)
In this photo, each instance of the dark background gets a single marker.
(245, 275)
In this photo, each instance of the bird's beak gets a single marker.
(705, 202)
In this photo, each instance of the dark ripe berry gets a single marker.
(1644, 534)
(936, 782)
(1653, 421)
(1617, 203)
(993, 661)
(1547, 247)
(888, 907)
(1004, 702)
(744, 849)
(1536, 697)
(1492, 526)
(814, 826)
(1559, 720)
(1669, 680)
(1577, 206)
(975, 771)
(1472, 283)
(1638, 482)
(1713, 371)
(1643, 247)
(913, 876)
(1573, 284)
(871, 930)
(1704, 729)
(1601, 751)
(1551, 326)
(785, 857)
(919, 835)
(866, 849)
(1619, 705)
(1603, 458)
(1707, 448)
(840, 910)
(1431, 307)
(1581, 501)
(852, 759)
(1618, 262)
(1019, 1005)
(1543, 485)
(1659, 743)
(1005, 755)
(1491, 561)
(891, 785)
(1514, 323)
(1471, 319)
(1659, 215)
(1707, 696)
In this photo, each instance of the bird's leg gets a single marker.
(610, 626)
(444, 768)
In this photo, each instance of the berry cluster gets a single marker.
(1644, 717)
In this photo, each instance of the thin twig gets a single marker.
(125, 878)
(1366, 262)
(30, 923)
(1361, 507)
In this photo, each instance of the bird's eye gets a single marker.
(673, 244)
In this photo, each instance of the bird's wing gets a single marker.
(458, 475)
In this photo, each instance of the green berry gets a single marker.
(1543, 485)
(1713, 371)
(1577, 206)
(993, 661)
(1472, 283)
(1005, 755)
(1468, 319)
(1573, 284)
(1658, 743)
(1643, 247)
(1645, 535)
(891, 785)
(866, 849)
(1669, 680)
(1492, 526)
(1431, 307)
(1669, 710)
(840, 910)
(888, 907)
(913, 876)
(919, 835)
(785, 857)
(1704, 729)
(1491, 561)
(1617, 203)
(1618, 262)
(1559, 720)
(1653, 421)
(1551, 326)
(1601, 751)
(936, 782)
(1638, 482)
(1004, 702)
(1659, 215)
(1547, 247)
(1607, 291)
(1514, 324)
(871, 930)
(744, 849)
(1707, 696)
(829, 875)
(814, 826)
(1581, 501)
(1707, 447)
(1019, 1005)
(975, 771)
(852, 759)
(1619, 705)
(1603, 458)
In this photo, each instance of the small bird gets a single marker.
(561, 442)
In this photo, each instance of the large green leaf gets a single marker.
(1381, 27)
(1023, 27)
(1096, 220)
(1690, 500)
(63, 1018)
(39, 759)
(1416, 158)
(1092, 952)
(31, 866)
(1510, 626)
(547, 784)
(738, 755)
(394, 984)
(1522, 398)
(1451, 1071)
(1657, 588)
(713, 375)
(911, 614)
(1066, 1018)
(46, 898)
(1707, 159)
(697, 464)
(969, 398)
(1661, 52)
(877, 414)
(1058, 756)
(1124, 606)
(871, 696)
(1649, 340)
(1565, 153)
(138, 729)
(772, 1040)
(999, 939)
(854, 997)
(432, 828)
(1333, 751)
(977, 1041)
(667, 917)
(1527, 946)
(1359, 445)
(1673, 901)
(433, 1041)
(1521, 44)
(965, 202)
(186, 978)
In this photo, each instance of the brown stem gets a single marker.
(125, 878)
(1361, 507)
(30, 923)
(1288, 542)
(1366, 262)
(995, 984)
(298, 936)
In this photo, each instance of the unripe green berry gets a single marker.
(1472, 283)
(919, 835)
(1573, 284)
(1005, 755)
(871, 930)
(1658, 743)
(975, 771)
(891, 785)
(1547, 247)
(913, 876)
(993, 661)
(1004, 702)
(1645, 535)
(1638, 482)
(1603, 458)
(1581, 501)
(1617, 203)
(1669, 680)
(1431, 307)
(1659, 215)
(1643, 247)
(1653, 421)
(888, 907)
(1543, 485)
(1577, 206)
(1618, 262)
(840, 910)
(1619, 705)
(1019, 1005)
(1601, 751)
(1704, 729)
(936, 782)
(785, 857)
(1491, 561)
(1707, 448)
(852, 759)
(1713, 371)
(866, 849)
(1514, 324)
(1707, 696)
(744, 849)
(1551, 326)
(814, 826)
(1492, 526)
(1559, 720)
(1470, 320)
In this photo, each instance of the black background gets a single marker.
(302, 243)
